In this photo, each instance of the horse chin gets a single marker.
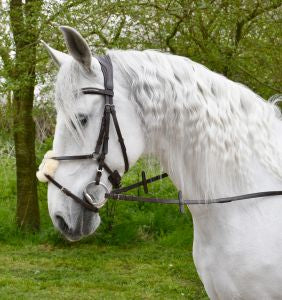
(88, 225)
(89, 232)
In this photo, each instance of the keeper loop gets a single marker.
(144, 182)
(181, 202)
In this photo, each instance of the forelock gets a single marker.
(67, 97)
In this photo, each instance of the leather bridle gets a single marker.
(101, 151)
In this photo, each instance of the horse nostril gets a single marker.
(62, 224)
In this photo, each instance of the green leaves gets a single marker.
(240, 39)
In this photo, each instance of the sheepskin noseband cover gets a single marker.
(48, 166)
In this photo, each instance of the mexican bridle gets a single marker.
(101, 151)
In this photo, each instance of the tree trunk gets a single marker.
(24, 24)
(24, 136)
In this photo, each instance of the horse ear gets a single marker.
(77, 46)
(58, 57)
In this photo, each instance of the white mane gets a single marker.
(193, 115)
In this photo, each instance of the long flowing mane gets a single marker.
(197, 116)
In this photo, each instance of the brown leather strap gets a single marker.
(70, 194)
(75, 157)
(103, 139)
(120, 197)
(120, 139)
(144, 182)
(100, 136)
(140, 183)
(92, 90)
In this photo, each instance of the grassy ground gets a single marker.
(88, 271)
(141, 251)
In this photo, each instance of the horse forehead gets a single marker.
(92, 80)
(89, 103)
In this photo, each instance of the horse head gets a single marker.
(80, 127)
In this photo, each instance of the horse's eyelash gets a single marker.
(83, 119)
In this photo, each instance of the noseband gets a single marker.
(101, 151)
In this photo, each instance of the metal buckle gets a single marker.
(95, 156)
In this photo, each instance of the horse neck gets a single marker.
(201, 126)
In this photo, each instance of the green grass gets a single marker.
(89, 271)
(140, 251)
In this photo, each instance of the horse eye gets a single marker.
(83, 119)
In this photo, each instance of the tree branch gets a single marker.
(257, 12)
(158, 7)
(101, 36)
(259, 81)
(4, 53)
(65, 6)
(17, 21)
(119, 29)
(172, 35)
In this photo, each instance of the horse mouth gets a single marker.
(84, 226)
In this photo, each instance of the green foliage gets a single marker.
(240, 39)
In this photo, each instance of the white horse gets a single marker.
(214, 137)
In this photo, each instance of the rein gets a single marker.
(181, 202)
(117, 196)
(101, 150)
